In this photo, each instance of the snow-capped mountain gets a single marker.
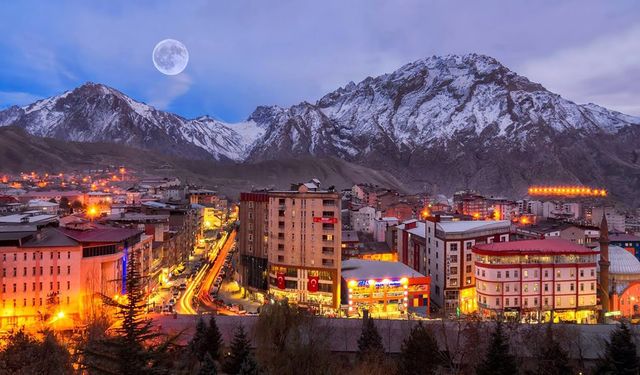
(443, 123)
(97, 113)
(425, 102)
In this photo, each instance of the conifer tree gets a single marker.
(620, 356)
(419, 352)
(24, 354)
(198, 344)
(498, 360)
(553, 359)
(370, 346)
(213, 339)
(249, 366)
(128, 351)
(208, 366)
(240, 350)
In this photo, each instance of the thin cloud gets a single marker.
(604, 71)
(168, 89)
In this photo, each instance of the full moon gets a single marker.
(170, 57)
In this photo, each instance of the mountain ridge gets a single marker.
(442, 122)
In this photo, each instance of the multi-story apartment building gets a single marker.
(362, 220)
(253, 239)
(449, 261)
(304, 245)
(540, 280)
(54, 274)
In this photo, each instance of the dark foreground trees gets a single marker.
(370, 348)
(240, 354)
(620, 356)
(419, 354)
(24, 354)
(134, 347)
(498, 360)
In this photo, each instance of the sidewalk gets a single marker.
(230, 292)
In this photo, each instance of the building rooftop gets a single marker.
(27, 219)
(50, 237)
(350, 236)
(532, 247)
(471, 225)
(622, 261)
(105, 234)
(359, 269)
(623, 237)
(419, 230)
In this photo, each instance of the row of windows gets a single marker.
(525, 287)
(33, 271)
(35, 255)
(24, 302)
(534, 300)
(33, 286)
(525, 273)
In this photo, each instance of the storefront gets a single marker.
(385, 289)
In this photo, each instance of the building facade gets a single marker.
(253, 240)
(449, 260)
(537, 280)
(304, 245)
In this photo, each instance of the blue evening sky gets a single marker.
(249, 53)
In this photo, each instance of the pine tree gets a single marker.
(208, 366)
(128, 350)
(198, 344)
(213, 339)
(419, 353)
(370, 346)
(239, 351)
(498, 360)
(620, 356)
(249, 366)
(26, 355)
(553, 359)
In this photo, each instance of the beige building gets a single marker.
(304, 245)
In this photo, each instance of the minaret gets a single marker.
(604, 267)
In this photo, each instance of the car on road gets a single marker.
(172, 301)
(182, 286)
(175, 293)
(166, 309)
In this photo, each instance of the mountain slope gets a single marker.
(443, 123)
(97, 113)
(20, 152)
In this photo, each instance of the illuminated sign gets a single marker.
(613, 313)
(379, 283)
(577, 191)
(325, 220)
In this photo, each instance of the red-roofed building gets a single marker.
(537, 280)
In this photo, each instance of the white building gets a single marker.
(362, 219)
(540, 280)
(381, 225)
(449, 261)
(615, 220)
(44, 207)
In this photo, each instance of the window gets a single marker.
(535, 301)
(581, 273)
(525, 288)
(468, 258)
(453, 270)
(468, 246)
(14, 288)
(592, 271)
(572, 272)
(515, 301)
(593, 287)
(497, 301)
(33, 287)
(498, 288)
(546, 273)
(535, 287)
(482, 273)
(15, 272)
(558, 273)
(526, 301)
(506, 301)
(50, 270)
(546, 287)
(571, 287)
(468, 280)
(33, 271)
(499, 274)
(507, 274)
(506, 287)
(24, 271)
(68, 285)
(558, 300)
(557, 287)
(546, 301)
(582, 287)
(468, 269)
(58, 270)
(24, 287)
(525, 273)
(453, 247)
(51, 285)
(454, 259)
(68, 254)
(515, 273)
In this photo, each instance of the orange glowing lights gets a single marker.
(92, 211)
(567, 191)
(425, 213)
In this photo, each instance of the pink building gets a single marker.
(538, 280)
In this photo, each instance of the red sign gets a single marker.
(312, 284)
(280, 280)
(325, 220)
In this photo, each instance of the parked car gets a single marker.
(172, 301)
(167, 309)
(182, 286)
